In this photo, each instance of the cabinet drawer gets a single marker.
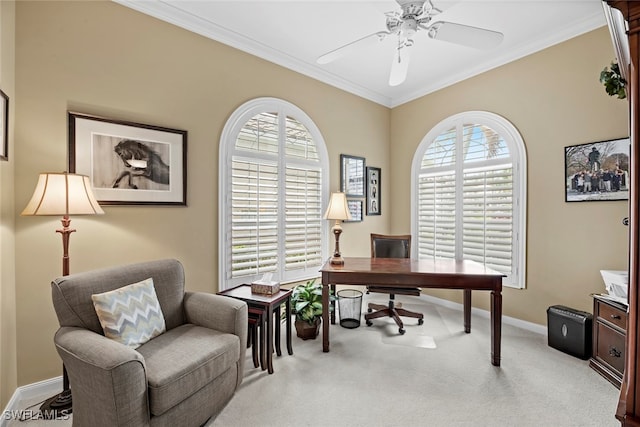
(611, 347)
(612, 315)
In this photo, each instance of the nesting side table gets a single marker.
(270, 304)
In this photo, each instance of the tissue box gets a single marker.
(266, 288)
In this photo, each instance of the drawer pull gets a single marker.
(614, 352)
(616, 316)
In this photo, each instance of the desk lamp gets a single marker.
(62, 194)
(339, 211)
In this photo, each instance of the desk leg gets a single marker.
(333, 305)
(496, 326)
(325, 317)
(467, 310)
(276, 324)
(269, 346)
(287, 310)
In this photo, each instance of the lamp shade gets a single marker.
(63, 194)
(338, 208)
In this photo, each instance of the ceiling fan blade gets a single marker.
(351, 47)
(465, 35)
(400, 65)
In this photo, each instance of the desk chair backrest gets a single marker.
(388, 246)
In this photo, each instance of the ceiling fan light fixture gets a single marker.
(416, 15)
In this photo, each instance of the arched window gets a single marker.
(469, 194)
(273, 185)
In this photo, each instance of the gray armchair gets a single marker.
(182, 377)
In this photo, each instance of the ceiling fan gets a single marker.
(416, 16)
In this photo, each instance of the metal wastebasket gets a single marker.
(349, 307)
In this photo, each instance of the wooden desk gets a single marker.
(271, 305)
(445, 274)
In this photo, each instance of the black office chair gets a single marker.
(385, 246)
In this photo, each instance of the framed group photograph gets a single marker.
(597, 171)
(355, 209)
(352, 175)
(129, 163)
(373, 190)
(4, 126)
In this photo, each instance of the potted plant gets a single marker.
(306, 305)
(614, 83)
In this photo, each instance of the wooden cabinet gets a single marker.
(609, 336)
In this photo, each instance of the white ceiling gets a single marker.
(294, 33)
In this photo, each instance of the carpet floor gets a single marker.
(434, 375)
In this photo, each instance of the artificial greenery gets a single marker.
(613, 82)
(306, 301)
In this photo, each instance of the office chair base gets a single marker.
(393, 312)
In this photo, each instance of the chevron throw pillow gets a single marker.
(130, 315)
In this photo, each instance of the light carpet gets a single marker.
(434, 375)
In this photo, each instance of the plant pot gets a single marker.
(306, 331)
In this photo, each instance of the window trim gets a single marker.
(514, 141)
(228, 137)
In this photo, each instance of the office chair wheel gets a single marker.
(369, 323)
(369, 310)
(420, 321)
(402, 331)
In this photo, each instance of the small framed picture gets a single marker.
(129, 163)
(352, 175)
(4, 126)
(597, 171)
(373, 190)
(355, 209)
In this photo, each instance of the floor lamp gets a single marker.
(338, 210)
(62, 194)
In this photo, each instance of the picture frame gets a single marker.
(597, 171)
(129, 163)
(374, 179)
(355, 209)
(4, 126)
(352, 175)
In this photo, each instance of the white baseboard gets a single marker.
(29, 393)
(529, 326)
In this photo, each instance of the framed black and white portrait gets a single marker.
(129, 163)
(373, 190)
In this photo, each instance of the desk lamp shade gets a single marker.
(337, 210)
(63, 194)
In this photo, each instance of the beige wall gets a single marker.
(102, 58)
(554, 99)
(8, 368)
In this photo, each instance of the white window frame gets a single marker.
(228, 138)
(516, 146)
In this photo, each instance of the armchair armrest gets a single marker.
(107, 379)
(221, 313)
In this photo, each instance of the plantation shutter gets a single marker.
(276, 186)
(488, 217)
(254, 218)
(465, 198)
(303, 232)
